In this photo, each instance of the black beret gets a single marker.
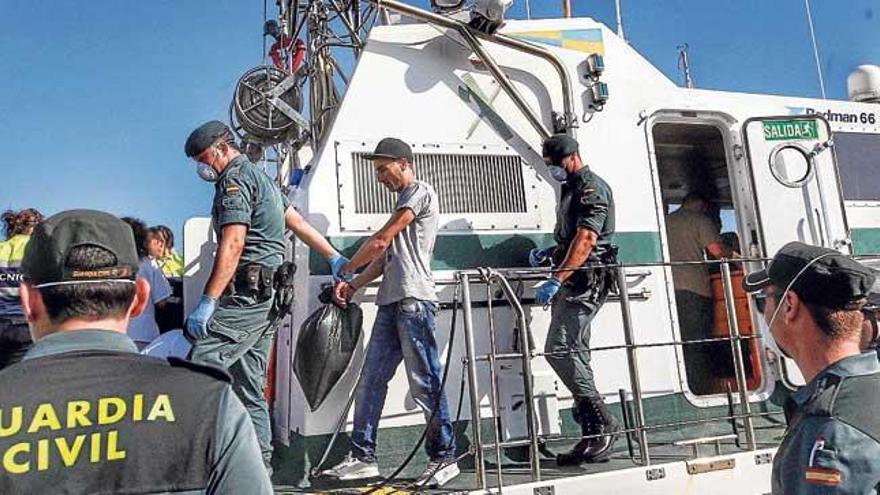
(558, 147)
(204, 136)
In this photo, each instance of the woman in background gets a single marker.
(15, 338)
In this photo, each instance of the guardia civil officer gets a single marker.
(812, 298)
(232, 326)
(83, 412)
(584, 226)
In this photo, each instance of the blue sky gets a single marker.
(97, 97)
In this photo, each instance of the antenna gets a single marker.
(815, 48)
(619, 11)
(684, 65)
(528, 10)
(566, 8)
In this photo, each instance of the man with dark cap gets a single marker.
(233, 324)
(812, 298)
(83, 412)
(404, 328)
(584, 227)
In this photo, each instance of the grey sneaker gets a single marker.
(352, 469)
(437, 474)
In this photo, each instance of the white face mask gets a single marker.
(780, 301)
(558, 173)
(207, 172)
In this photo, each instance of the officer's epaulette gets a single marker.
(207, 369)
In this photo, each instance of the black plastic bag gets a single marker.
(327, 341)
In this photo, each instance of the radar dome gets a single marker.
(863, 84)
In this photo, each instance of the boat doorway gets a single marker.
(700, 215)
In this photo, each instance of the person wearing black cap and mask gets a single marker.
(405, 324)
(83, 412)
(233, 324)
(584, 226)
(811, 298)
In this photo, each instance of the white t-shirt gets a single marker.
(144, 328)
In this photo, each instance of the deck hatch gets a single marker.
(464, 183)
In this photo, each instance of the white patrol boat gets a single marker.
(475, 106)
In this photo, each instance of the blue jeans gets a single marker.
(403, 331)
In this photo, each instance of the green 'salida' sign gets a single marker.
(783, 130)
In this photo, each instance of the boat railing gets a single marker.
(635, 428)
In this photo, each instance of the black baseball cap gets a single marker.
(818, 275)
(204, 136)
(392, 148)
(45, 258)
(558, 147)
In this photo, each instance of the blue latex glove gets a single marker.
(337, 261)
(546, 291)
(197, 321)
(538, 256)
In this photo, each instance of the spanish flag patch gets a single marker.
(232, 189)
(822, 476)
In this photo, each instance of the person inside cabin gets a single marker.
(812, 300)
(83, 412)
(144, 328)
(404, 329)
(692, 235)
(15, 339)
(576, 292)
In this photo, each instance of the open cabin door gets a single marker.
(796, 190)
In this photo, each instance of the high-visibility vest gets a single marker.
(11, 253)
(172, 265)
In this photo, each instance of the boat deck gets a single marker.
(768, 432)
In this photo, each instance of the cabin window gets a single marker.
(858, 159)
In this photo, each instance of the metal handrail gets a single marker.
(640, 429)
(528, 379)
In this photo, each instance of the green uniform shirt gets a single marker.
(586, 202)
(245, 194)
(832, 444)
(235, 456)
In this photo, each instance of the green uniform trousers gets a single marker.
(568, 343)
(239, 340)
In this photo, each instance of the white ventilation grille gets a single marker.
(480, 187)
(464, 183)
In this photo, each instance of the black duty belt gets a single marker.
(252, 280)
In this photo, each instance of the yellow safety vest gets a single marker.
(172, 264)
(11, 253)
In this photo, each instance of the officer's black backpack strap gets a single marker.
(207, 369)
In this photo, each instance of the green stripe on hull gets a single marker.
(866, 241)
(462, 252)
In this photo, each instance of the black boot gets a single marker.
(599, 449)
(595, 419)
